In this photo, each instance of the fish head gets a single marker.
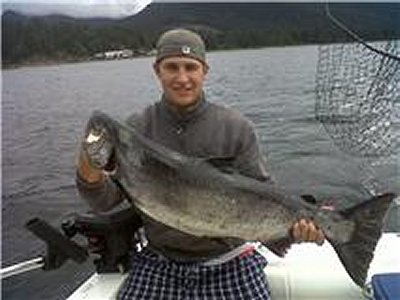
(106, 137)
(98, 142)
(100, 126)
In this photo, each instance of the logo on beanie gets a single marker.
(185, 49)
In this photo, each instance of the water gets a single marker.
(44, 110)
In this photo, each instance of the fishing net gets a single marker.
(357, 99)
(358, 102)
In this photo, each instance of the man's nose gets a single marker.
(182, 75)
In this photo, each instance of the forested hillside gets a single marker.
(28, 39)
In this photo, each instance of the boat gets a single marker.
(307, 271)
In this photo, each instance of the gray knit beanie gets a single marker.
(181, 42)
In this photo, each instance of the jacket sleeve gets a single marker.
(249, 158)
(101, 196)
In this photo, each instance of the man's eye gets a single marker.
(171, 67)
(191, 67)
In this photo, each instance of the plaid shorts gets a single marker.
(155, 277)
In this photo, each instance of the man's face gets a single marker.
(182, 80)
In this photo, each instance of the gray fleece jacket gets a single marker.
(209, 131)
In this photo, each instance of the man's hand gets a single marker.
(306, 231)
(87, 172)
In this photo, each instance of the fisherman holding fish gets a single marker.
(175, 264)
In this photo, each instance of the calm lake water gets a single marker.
(44, 111)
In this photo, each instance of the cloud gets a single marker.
(78, 8)
(110, 8)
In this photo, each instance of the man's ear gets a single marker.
(156, 68)
(205, 68)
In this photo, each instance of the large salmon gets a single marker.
(207, 198)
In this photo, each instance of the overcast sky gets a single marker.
(77, 8)
(108, 8)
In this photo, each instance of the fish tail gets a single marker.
(357, 253)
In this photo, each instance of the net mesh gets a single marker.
(357, 97)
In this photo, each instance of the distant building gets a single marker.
(127, 53)
(114, 54)
(99, 55)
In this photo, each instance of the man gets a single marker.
(176, 265)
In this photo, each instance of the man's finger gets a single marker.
(299, 229)
(306, 231)
(296, 232)
(312, 232)
(320, 238)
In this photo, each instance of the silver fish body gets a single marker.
(194, 196)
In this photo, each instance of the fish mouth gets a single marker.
(94, 136)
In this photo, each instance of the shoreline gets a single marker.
(41, 63)
(53, 62)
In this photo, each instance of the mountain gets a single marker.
(223, 25)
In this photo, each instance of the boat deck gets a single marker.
(307, 271)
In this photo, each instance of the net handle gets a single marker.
(356, 37)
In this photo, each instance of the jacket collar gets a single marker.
(173, 116)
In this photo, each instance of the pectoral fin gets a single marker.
(280, 246)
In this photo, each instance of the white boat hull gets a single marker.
(308, 271)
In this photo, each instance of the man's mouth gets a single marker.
(183, 91)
